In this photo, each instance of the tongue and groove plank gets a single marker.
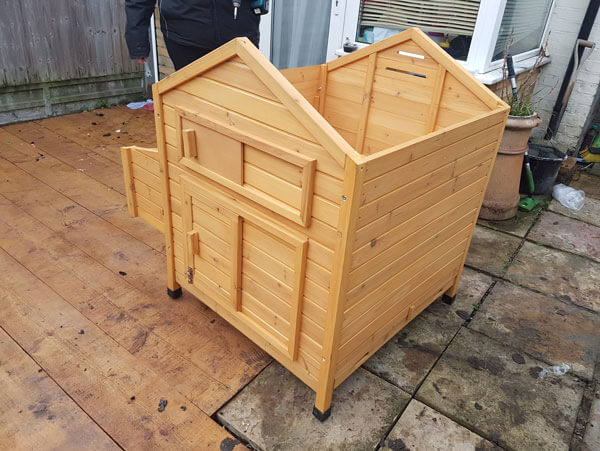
(101, 376)
(40, 414)
(106, 204)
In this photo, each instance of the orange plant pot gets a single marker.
(502, 196)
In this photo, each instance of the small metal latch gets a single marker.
(190, 274)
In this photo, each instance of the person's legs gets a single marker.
(182, 55)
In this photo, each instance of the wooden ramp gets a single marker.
(87, 346)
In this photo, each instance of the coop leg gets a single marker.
(449, 296)
(322, 407)
(174, 294)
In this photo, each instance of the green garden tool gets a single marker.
(528, 203)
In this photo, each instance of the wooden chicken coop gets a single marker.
(319, 209)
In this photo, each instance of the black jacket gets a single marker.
(198, 23)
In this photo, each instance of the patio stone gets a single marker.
(543, 327)
(590, 212)
(496, 392)
(517, 225)
(421, 427)
(588, 183)
(558, 274)
(567, 234)
(491, 250)
(275, 412)
(406, 359)
(591, 439)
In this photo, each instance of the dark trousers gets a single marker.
(182, 55)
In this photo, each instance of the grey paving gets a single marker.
(518, 225)
(568, 235)
(591, 439)
(559, 274)
(590, 212)
(407, 358)
(497, 393)
(274, 412)
(422, 428)
(546, 328)
(491, 250)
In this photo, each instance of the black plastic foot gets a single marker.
(174, 294)
(448, 299)
(321, 416)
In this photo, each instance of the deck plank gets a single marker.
(196, 333)
(90, 194)
(40, 414)
(101, 376)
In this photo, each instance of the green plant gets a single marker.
(521, 103)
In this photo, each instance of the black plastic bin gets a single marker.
(545, 163)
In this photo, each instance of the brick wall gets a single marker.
(165, 65)
(564, 26)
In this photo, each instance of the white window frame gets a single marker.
(344, 25)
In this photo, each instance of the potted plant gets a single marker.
(502, 196)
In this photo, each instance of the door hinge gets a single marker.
(190, 274)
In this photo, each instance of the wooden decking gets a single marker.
(89, 340)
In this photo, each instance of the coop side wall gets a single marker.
(230, 96)
(418, 210)
(309, 81)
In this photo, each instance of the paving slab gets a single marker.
(518, 225)
(420, 427)
(491, 250)
(406, 359)
(497, 393)
(557, 273)
(567, 234)
(590, 212)
(588, 183)
(275, 412)
(545, 328)
(591, 439)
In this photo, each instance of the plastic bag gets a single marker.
(569, 197)
(557, 370)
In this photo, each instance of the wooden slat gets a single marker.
(408, 220)
(38, 414)
(255, 133)
(411, 150)
(30, 317)
(366, 103)
(297, 296)
(435, 100)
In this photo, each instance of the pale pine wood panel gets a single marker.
(380, 268)
(411, 47)
(240, 76)
(458, 98)
(415, 168)
(416, 265)
(396, 156)
(268, 112)
(419, 181)
(272, 185)
(412, 217)
(433, 287)
(276, 324)
(355, 337)
(275, 166)
(252, 127)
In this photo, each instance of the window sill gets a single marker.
(495, 75)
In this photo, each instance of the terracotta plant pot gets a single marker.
(502, 196)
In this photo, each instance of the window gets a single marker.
(525, 20)
(475, 32)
